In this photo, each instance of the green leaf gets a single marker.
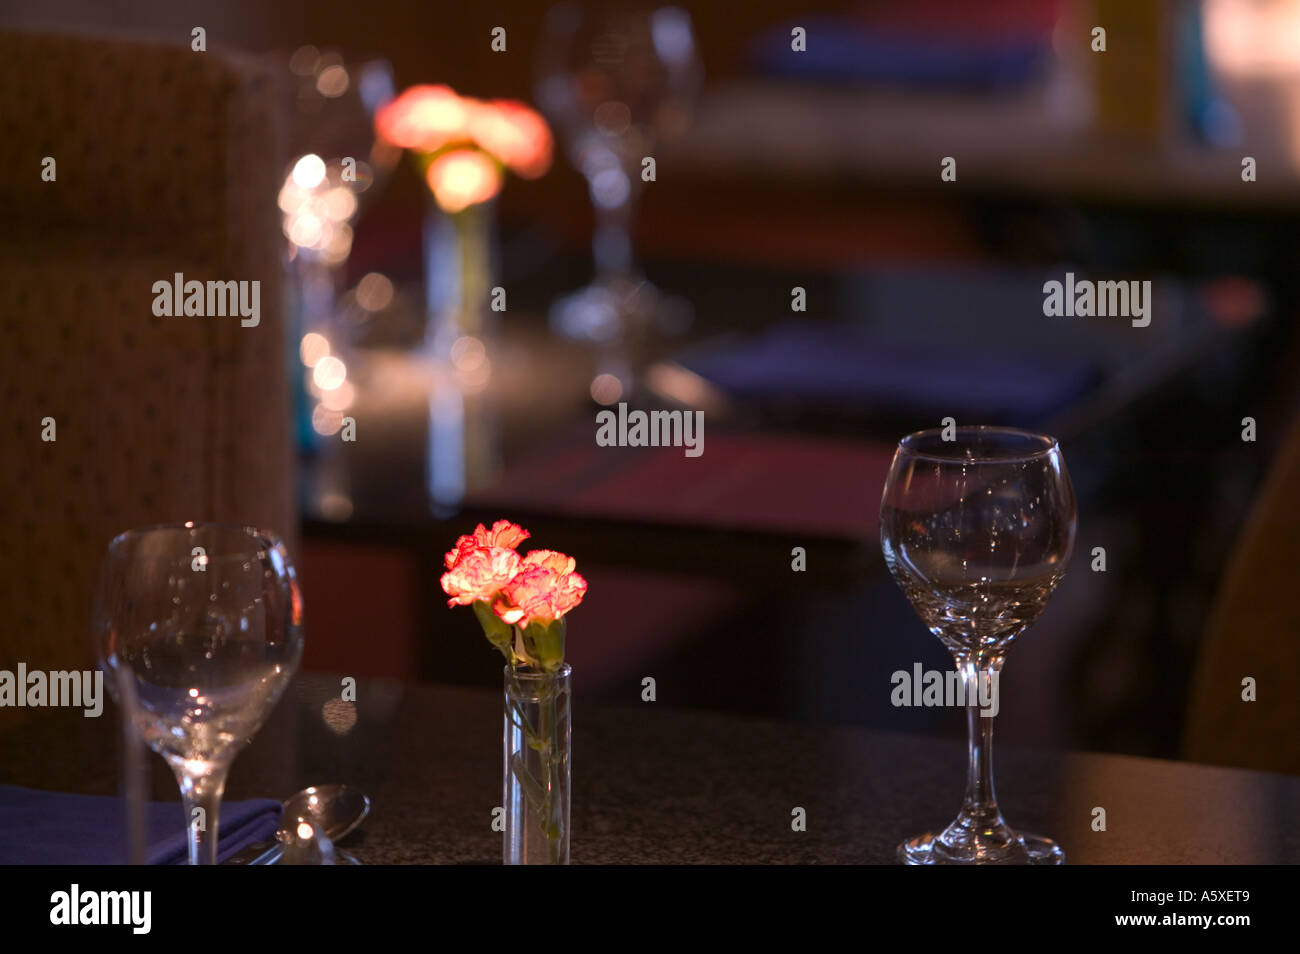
(547, 643)
(498, 632)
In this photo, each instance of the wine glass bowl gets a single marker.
(616, 81)
(204, 623)
(977, 526)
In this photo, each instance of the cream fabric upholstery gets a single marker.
(168, 161)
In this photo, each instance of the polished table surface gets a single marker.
(653, 784)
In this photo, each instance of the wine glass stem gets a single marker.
(981, 803)
(611, 244)
(201, 793)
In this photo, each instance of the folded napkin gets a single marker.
(839, 364)
(842, 51)
(56, 828)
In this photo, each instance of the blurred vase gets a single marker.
(536, 767)
(459, 270)
(461, 341)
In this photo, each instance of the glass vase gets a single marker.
(536, 767)
(459, 265)
(464, 451)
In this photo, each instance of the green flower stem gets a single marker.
(499, 633)
(538, 646)
(541, 795)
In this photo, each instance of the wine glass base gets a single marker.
(619, 309)
(927, 849)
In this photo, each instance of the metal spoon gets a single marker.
(336, 809)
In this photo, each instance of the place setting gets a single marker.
(617, 436)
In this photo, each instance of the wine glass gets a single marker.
(204, 623)
(978, 529)
(615, 81)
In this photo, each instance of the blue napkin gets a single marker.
(837, 364)
(56, 828)
(843, 51)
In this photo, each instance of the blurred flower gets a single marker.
(424, 118)
(462, 178)
(462, 142)
(515, 134)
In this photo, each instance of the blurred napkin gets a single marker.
(840, 364)
(57, 828)
(922, 43)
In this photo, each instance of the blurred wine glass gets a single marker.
(615, 82)
(198, 628)
(332, 109)
(337, 169)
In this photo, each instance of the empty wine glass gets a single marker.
(205, 623)
(616, 80)
(977, 530)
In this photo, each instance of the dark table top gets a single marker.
(652, 784)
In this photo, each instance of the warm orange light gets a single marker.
(312, 348)
(326, 422)
(374, 292)
(423, 117)
(339, 398)
(309, 171)
(463, 177)
(330, 373)
(332, 82)
(606, 389)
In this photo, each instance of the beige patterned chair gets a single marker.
(167, 161)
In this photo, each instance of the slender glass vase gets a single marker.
(460, 337)
(536, 767)
(459, 262)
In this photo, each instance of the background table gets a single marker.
(653, 784)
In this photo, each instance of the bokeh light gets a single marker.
(313, 348)
(330, 373)
(606, 389)
(309, 171)
(332, 81)
(374, 292)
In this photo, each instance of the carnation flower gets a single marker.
(463, 177)
(519, 601)
(478, 573)
(424, 117)
(503, 534)
(543, 590)
(462, 143)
